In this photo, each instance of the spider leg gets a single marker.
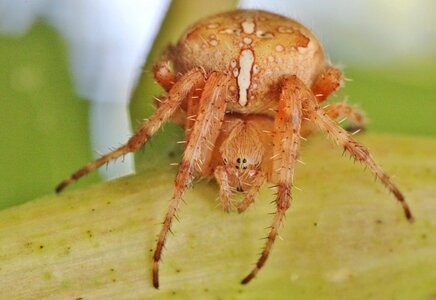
(357, 150)
(204, 133)
(166, 78)
(338, 111)
(190, 81)
(185, 119)
(192, 107)
(326, 83)
(179, 116)
(225, 189)
(182, 117)
(162, 71)
(286, 141)
(256, 184)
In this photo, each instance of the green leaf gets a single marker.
(345, 237)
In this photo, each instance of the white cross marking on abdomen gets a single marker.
(246, 61)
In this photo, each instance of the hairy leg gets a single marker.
(256, 184)
(226, 192)
(162, 71)
(190, 81)
(179, 116)
(329, 81)
(164, 75)
(286, 140)
(357, 150)
(338, 111)
(192, 107)
(166, 78)
(203, 136)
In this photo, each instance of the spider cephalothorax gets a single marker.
(246, 86)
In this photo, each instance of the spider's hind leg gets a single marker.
(190, 81)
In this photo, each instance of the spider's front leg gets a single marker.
(189, 82)
(358, 151)
(287, 126)
(203, 136)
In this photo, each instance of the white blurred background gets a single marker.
(108, 42)
(362, 32)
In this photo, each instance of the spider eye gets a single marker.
(225, 161)
(238, 160)
(244, 160)
(237, 167)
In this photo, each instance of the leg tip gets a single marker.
(156, 282)
(247, 279)
(241, 210)
(408, 213)
(411, 219)
(156, 275)
(59, 188)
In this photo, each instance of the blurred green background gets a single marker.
(44, 130)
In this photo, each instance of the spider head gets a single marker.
(242, 163)
(242, 150)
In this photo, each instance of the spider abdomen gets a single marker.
(257, 48)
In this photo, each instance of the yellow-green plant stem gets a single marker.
(345, 237)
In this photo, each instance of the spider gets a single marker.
(246, 85)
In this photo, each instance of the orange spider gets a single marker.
(247, 86)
